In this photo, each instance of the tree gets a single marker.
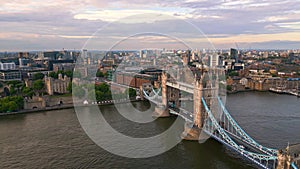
(69, 73)
(99, 74)
(38, 76)
(130, 92)
(13, 83)
(229, 88)
(11, 103)
(103, 87)
(233, 73)
(12, 106)
(78, 91)
(53, 74)
(12, 91)
(76, 74)
(27, 91)
(69, 87)
(38, 86)
(91, 95)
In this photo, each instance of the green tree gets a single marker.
(11, 103)
(233, 73)
(229, 88)
(12, 91)
(103, 87)
(38, 76)
(99, 74)
(69, 73)
(91, 95)
(27, 91)
(53, 74)
(78, 91)
(69, 87)
(38, 86)
(130, 92)
(13, 83)
(76, 74)
(12, 106)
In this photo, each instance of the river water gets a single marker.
(55, 139)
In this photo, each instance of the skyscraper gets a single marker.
(234, 54)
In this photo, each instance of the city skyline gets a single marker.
(52, 25)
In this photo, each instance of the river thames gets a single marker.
(55, 139)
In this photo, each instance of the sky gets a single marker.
(126, 24)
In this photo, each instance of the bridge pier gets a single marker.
(191, 132)
(161, 111)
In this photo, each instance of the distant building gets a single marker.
(228, 64)
(238, 66)
(59, 85)
(23, 55)
(234, 54)
(214, 60)
(134, 80)
(7, 66)
(23, 62)
(244, 82)
(10, 75)
(84, 53)
(186, 57)
(63, 67)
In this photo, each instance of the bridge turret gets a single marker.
(193, 132)
(162, 109)
(164, 79)
(198, 107)
(289, 157)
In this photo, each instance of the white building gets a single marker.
(7, 66)
(214, 60)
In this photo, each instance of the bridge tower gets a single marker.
(192, 131)
(284, 161)
(198, 107)
(162, 110)
(288, 157)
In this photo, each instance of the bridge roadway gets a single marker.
(182, 86)
(185, 87)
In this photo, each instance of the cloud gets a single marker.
(74, 21)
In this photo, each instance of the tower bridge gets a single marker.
(209, 115)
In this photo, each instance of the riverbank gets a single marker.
(69, 106)
(241, 91)
(271, 91)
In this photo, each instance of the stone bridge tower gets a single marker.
(162, 110)
(164, 91)
(198, 106)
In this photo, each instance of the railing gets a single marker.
(244, 136)
(182, 86)
(294, 166)
(260, 159)
(267, 159)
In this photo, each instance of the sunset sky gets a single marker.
(56, 24)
